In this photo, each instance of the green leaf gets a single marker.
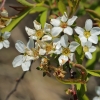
(25, 3)
(43, 18)
(16, 21)
(95, 56)
(97, 10)
(79, 54)
(61, 6)
(38, 9)
(99, 38)
(94, 72)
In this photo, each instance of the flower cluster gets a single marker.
(54, 39)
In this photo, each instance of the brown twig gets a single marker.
(17, 83)
(2, 5)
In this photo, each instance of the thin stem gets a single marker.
(2, 5)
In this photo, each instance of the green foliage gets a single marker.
(61, 6)
(16, 20)
(43, 18)
(94, 72)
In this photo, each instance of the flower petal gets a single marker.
(1, 45)
(88, 24)
(71, 56)
(6, 43)
(92, 49)
(96, 98)
(33, 37)
(88, 44)
(30, 43)
(62, 60)
(42, 52)
(26, 65)
(73, 45)
(37, 25)
(55, 22)
(95, 31)
(30, 31)
(64, 17)
(93, 39)
(56, 43)
(46, 38)
(64, 41)
(47, 27)
(68, 30)
(79, 30)
(20, 46)
(17, 61)
(55, 31)
(88, 55)
(72, 20)
(82, 38)
(6, 35)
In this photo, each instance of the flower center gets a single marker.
(87, 34)
(63, 25)
(85, 49)
(49, 48)
(39, 33)
(66, 51)
(35, 52)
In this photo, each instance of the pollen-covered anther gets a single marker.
(63, 25)
(85, 49)
(39, 33)
(87, 34)
(66, 51)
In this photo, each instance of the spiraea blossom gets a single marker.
(88, 49)
(63, 24)
(36, 33)
(89, 33)
(24, 60)
(3, 40)
(67, 50)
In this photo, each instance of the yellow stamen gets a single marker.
(87, 34)
(39, 33)
(63, 25)
(85, 49)
(66, 51)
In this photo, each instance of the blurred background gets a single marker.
(34, 86)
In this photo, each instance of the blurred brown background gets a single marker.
(34, 86)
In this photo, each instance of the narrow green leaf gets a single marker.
(25, 3)
(43, 18)
(61, 6)
(94, 72)
(16, 21)
(38, 9)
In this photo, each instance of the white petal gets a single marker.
(64, 41)
(30, 31)
(58, 51)
(37, 25)
(55, 31)
(93, 39)
(88, 44)
(68, 30)
(62, 59)
(46, 38)
(96, 98)
(47, 27)
(26, 65)
(73, 45)
(88, 55)
(28, 58)
(72, 20)
(6, 35)
(55, 22)
(95, 31)
(6, 43)
(64, 17)
(79, 30)
(1, 45)
(88, 24)
(92, 49)
(42, 52)
(17, 61)
(82, 38)
(4, 13)
(30, 43)
(56, 43)
(71, 56)
(98, 91)
(33, 37)
(20, 46)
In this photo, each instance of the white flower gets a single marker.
(62, 24)
(36, 33)
(96, 98)
(24, 60)
(3, 40)
(98, 90)
(67, 50)
(89, 34)
(88, 49)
